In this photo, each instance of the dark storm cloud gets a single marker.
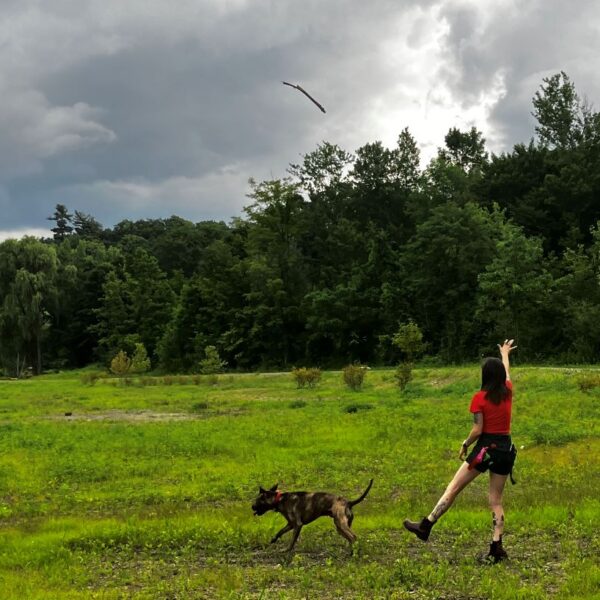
(137, 95)
(136, 109)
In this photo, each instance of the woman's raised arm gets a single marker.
(505, 351)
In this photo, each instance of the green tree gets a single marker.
(211, 363)
(577, 297)
(210, 310)
(406, 157)
(28, 279)
(409, 339)
(140, 363)
(275, 272)
(465, 149)
(62, 219)
(559, 112)
(323, 168)
(136, 303)
(442, 263)
(86, 226)
(514, 293)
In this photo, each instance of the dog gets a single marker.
(301, 508)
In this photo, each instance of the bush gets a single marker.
(403, 374)
(199, 406)
(140, 363)
(120, 364)
(354, 376)
(306, 377)
(211, 363)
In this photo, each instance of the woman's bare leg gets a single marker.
(461, 479)
(496, 488)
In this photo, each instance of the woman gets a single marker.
(491, 408)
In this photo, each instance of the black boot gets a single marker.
(421, 530)
(497, 552)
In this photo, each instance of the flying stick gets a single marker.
(297, 87)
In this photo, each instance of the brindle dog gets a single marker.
(301, 508)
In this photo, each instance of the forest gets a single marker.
(328, 262)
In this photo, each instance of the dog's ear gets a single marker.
(274, 488)
(261, 490)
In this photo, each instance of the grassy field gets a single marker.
(145, 491)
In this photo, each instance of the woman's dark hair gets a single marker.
(493, 380)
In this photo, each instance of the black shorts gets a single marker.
(499, 457)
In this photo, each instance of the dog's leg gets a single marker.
(283, 530)
(297, 530)
(350, 517)
(344, 530)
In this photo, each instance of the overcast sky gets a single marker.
(147, 108)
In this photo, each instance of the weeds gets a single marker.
(354, 408)
(588, 381)
(298, 404)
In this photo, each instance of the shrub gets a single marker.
(140, 363)
(120, 364)
(211, 363)
(198, 406)
(403, 374)
(306, 377)
(354, 376)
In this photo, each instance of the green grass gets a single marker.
(145, 490)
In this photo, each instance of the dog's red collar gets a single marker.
(278, 496)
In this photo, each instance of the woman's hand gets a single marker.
(507, 347)
(463, 452)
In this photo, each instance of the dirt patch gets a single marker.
(144, 416)
(134, 416)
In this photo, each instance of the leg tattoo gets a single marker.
(441, 507)
(498, 523)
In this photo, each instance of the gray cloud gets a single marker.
(139, 110)
(519, 43)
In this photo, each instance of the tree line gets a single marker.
(327, 263)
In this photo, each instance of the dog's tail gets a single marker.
(363, 496)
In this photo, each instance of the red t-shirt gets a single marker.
(496, 417)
